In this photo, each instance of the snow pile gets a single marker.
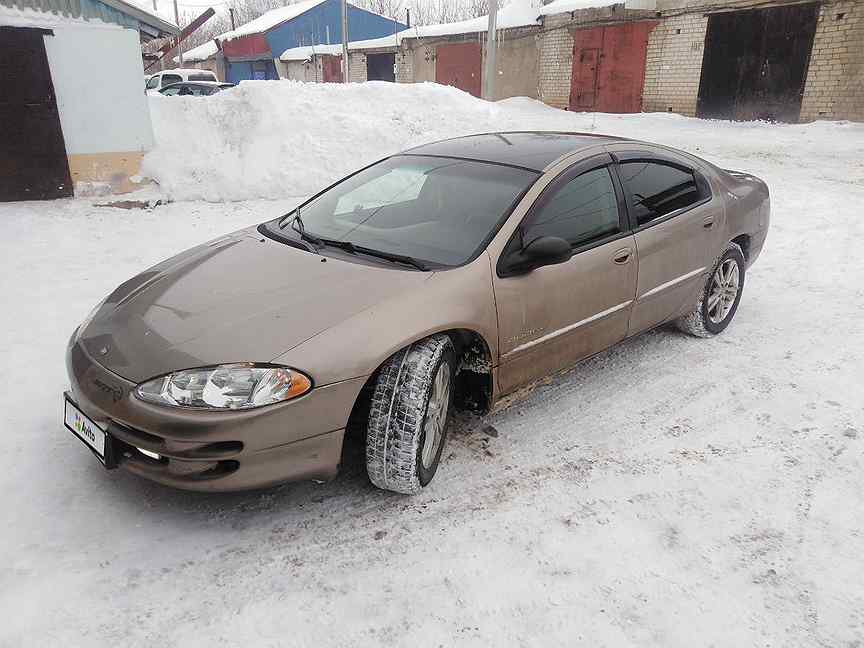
(276, 139)
(566, 6)
(34, 18)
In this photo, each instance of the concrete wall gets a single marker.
(516, 60)
(106, 126)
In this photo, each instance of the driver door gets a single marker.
(554, 316)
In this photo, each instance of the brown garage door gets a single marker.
(756, 62)
(33, 164)
(609, 67)
(458, 64)
(331, 68)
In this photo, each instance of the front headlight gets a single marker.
(235, 386)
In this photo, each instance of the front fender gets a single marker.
(460, 298)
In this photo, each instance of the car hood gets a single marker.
(242, 298)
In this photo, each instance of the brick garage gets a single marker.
(834, 82)
(833, 85)
(423, 59)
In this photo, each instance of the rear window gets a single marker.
(203, 76)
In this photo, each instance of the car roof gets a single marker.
(206, 84)
(534, 150)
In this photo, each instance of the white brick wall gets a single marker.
(673, 64)
(555, 65)
(356, 67)
(835, 78)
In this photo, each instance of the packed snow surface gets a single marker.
(669, 492)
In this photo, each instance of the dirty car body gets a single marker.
(569, 244)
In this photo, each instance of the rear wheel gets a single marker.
(718, 301)
(408, 416)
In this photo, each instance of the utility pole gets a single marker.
(180, 45)
(231, 13)
(344, 41)
(154, 6)
(491, 50)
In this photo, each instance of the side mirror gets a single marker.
(542, 251)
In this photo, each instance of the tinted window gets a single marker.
(582, 210)
(657, 189)
(203, 76)
(170, 78)
(438, 210)
(153, 82)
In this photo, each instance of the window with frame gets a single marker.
(170, 78)
(656, 189)
(153, 82)
(582, 210)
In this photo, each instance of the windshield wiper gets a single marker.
(389, 256)
(297, 226)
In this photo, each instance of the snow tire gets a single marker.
(698, 322)
(400, 404)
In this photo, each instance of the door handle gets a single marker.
(622, 256)
(708, 223)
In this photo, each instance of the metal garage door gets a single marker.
(755, 63)
(33, 164)
(458, 64)
(609, 67)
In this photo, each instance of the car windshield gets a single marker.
(436, 210)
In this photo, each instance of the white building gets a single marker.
(74, 113)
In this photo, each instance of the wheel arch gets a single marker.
(474, 376)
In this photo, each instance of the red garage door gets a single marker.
(609, 68)
(458, 65)
(331, 68)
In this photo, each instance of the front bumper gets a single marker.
(216, 450)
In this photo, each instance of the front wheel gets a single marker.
(718, 301)
(408, 415)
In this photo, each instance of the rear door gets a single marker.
(675, 220)
(552, 317)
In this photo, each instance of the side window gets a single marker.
(170, 78)
(656, 189)
(153, 82)
(583, 210)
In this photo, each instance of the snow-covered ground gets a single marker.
(671, 491)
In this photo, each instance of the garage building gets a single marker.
(64, 132)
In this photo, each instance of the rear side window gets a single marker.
(656, 189)
(580, 211)
(170, 78)
(203, 76)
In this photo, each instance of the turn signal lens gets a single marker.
(237, 386)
